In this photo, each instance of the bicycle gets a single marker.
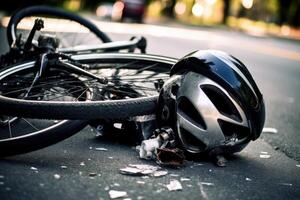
(80, 87)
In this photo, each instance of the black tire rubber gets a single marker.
(109, 109)
(40, 139)
(46, 10)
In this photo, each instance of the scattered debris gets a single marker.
(264, 152)
(82, 164)
(1, 176)
(203, 193)
(140, 170)
(106, 188)
(90, 148)
(140, 182)
(207, 183)
(286, 184)
(92, 174)
(117, 184)
(159, 190)
(114, 194)
(184, 179)
(140, 197)
(172, 157)
(100, 149)
(56, 176)
(34, 168)
(189, 185)
(264, 156)
(297, 165)
(8, 189)
(210, 170)
(248, 179)
(198, 164)
(1, 183)
(270, 130)
(174, 185)
(127, 199)
(276, 148)
(160, 173)
(80, 173)
(110, 157)
(41, 184)
(174, 175)
(131, 171)
(148, 148)
(220, 161)
(63, 167)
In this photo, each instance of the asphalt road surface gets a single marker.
(267, 169)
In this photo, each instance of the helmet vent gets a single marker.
(221, 102)
(233, 131)
(188, 111)
(191, 142)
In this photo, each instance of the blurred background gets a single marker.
(275, 17)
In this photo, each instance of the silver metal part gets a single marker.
(211, 135)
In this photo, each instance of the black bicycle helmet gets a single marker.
(212, 102)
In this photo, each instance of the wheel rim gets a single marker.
(129, 77)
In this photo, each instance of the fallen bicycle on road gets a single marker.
(208, 98)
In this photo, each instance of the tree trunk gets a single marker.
(226, 10)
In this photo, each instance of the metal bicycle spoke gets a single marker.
(128, 78)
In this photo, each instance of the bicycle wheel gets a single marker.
(70, 28)
(22, 135)
(134, 81)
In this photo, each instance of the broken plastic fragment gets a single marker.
(34, 168)
(114, 194)
(92, 174)
(174, 185)
(139, 170)
(148, 148)
(207, 183)
(117, 184)
(63, 167)
(248, 179)
(184, 179)
(82, 164)
(174, 175)
(144, 167)
(269, 130)
(56, 176)
(130, 171)
(297, 165)
(141, 182)
(172, 157)
(160, 173)
(264, 156)
(100, 149)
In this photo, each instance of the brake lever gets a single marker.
(38, 25)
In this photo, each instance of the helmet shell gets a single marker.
(231, 74)
(231, 78)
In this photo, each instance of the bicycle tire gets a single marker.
(22, 135)
(46, 10)
(109, 109)
(40, 139)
